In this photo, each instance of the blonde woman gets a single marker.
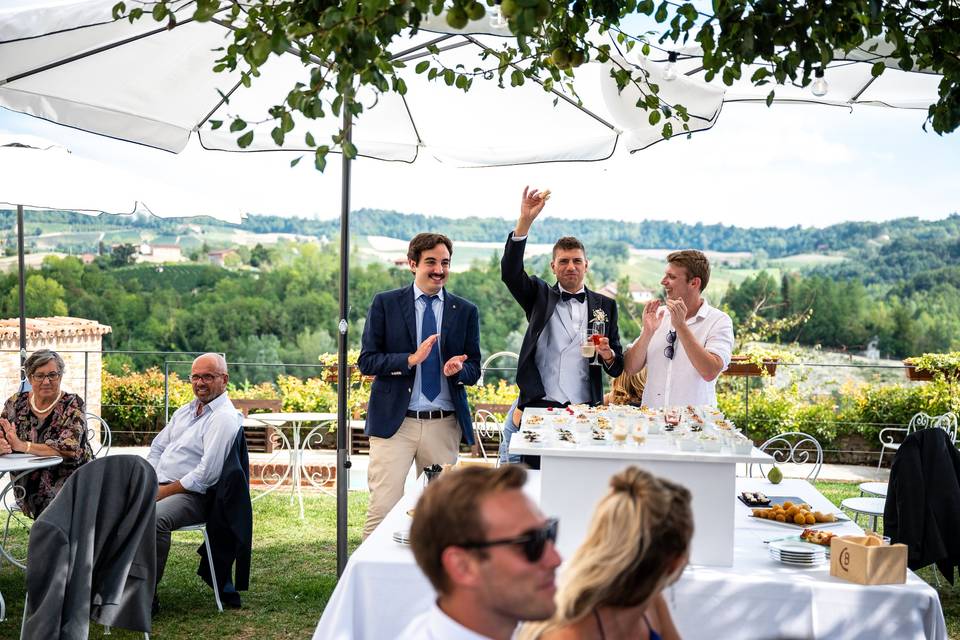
(612, 590)
(627, 389)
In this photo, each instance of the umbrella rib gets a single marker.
(86, 54)
(419, 54)
(857, 95)
(421, 46)
(567, 99)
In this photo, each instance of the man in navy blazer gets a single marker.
(423, 345)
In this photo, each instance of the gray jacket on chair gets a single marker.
(93, 552)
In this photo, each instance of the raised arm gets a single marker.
(521, 286)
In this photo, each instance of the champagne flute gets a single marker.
(597, 331)
(587, 347)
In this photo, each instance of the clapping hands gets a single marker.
(8, 438)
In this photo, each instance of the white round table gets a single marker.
(872, 507)
(295, 468)
(874, 489)
(17, 465)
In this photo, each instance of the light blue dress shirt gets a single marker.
(418, 401)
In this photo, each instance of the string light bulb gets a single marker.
(497, 19)
(820, 86)
(670, 70)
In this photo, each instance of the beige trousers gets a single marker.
(422, 442)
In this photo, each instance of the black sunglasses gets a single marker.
(671, 338)
(533, 542)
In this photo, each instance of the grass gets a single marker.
(293, 575)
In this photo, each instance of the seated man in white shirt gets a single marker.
(685, 353)
(488, 552)
(188, 455)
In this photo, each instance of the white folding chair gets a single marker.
(793, 447)
(202, 528)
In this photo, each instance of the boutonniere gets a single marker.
(599, 315)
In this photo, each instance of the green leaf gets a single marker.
(320, 158)
(654, 117)
(667, 130)
(311, 142)
(159, 12)
(295, 161)
(661, 13)
(238, 124)
(118, 10)
(215, 124)
(244, 141)
(422, 66)
(877, 69)
(645, 49)
(277, 134)
(349, 149)
(770, 98)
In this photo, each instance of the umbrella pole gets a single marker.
(22, 292)
(343, 374)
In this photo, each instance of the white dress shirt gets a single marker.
(418, 401)
(434, 624)
(192, 448)
(676, 382)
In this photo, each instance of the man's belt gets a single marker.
(435, 414)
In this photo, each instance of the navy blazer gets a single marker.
(538, 300)
(390, 336)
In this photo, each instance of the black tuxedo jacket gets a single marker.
(538, 300)
(390, 335)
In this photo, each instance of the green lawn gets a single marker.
(293, 575)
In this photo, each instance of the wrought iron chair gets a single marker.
(793, 447)
(947, 422)
(100, 445)
(486, 425)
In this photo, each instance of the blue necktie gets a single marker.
(430, 368)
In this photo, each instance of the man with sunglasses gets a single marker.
(188, 456)
(488, 552)
(685, 354)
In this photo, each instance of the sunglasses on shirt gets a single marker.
(532, 542)
(671, 338)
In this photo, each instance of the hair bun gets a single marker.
(632, 480)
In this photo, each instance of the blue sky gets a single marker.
(786, 165)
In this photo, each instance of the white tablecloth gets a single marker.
(382, 589)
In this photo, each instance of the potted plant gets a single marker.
(756, 362)
(930, 365)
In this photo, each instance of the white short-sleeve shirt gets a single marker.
(676, 382)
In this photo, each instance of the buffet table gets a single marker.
(575, 475)
(756, 599)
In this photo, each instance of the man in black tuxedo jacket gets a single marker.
(423, 345)
(551, 371)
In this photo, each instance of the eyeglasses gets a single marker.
(205, 377)
(671, 338)
(533, 542)
(53, 376)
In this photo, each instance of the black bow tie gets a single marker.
(579, 297)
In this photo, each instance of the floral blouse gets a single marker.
(64, 429)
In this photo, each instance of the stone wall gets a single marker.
(79, 343)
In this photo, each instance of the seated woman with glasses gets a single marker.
(44, 421)
(636, 546)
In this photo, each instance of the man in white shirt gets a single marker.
(685, 352)
(488, 552)
(188, 454)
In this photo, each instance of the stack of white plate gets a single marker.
(800, 554)
(401, 537)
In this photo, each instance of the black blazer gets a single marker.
(922, 509)
(230, 521)
(538, 300)
(390, 335)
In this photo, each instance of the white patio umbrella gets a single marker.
(69, 62)
(50, 177)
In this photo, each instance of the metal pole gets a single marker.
(23, 290)
(343, 379)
